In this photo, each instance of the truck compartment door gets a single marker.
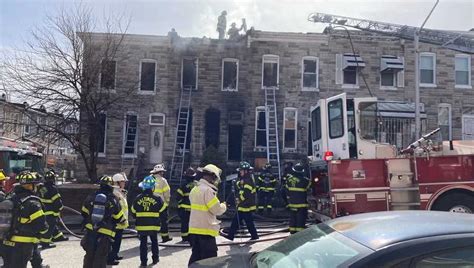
(336, 125)
(319, 130)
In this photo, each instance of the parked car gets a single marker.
(380, 239)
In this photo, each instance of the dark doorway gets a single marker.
(212, 128)
(234, 144)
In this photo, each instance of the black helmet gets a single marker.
(106, 180)
(27, 177)
(244, 166)
(50, 175)
(298, 168)
(267, 166)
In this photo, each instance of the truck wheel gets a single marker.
(455, 202)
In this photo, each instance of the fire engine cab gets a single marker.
(354, 173)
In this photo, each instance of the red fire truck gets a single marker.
(16, 156)
(353, 173)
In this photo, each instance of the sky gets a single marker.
(192, 18)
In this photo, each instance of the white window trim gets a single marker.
(270, 58)
(450, 118)
(197, 70)
(303, 88)
(468, 57)
(433, 55)
(257, 110)
(389, 87)
(147, 92)
(115, 77)
(124, 136)
(27, 121)
(222, 74)
(463, 130)
(104, 153)
(289, 149)
(156, 114)
(356, 85)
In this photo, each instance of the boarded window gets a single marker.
(189, 75)
(230, 74)
(147, 76)
(131, 124)
(260, 128)
(270, 71)
(107, 74)
(290, 123)
(101, 134)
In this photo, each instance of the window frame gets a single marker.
(345, 85)
(196, 59)
(316, 59)
(115, 76)
(394, 82)
(271, 58)
(290, 149)
(156, 114)
(124, 137)
(450, 119)
(314, 129)
(259, 109)
(236, 89)
(27, 125)
(432, 55)
(342, 119)
(469, 66)
(145, 92)
(104, 153)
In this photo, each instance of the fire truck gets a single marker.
(352, 172)
(16, 156)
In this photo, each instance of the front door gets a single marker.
(157, 133)
(234, 143)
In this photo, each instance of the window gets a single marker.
(427, 69)
(316, 124)
(467, 127)
(270, 71)
(290, 122)
(230, 74)
(157, 119)
(260, 127)
(310, 70)
(444, 121)
(107, 74)
(27, 128)
(147, 75)
(463, 71)
(212, 127)
(336, 120)
(189, 73)
(130, 134)
(101, 135)
(391, 68)
(460, 257)
(347, 69)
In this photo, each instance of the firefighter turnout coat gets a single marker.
(146, 209)
(51, 199)
(297, 191)
(205, 206)
(162, 189)
(266, 182)
(247, 192)
(183, 194)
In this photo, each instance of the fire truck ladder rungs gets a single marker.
(273, 147)
(182, 124)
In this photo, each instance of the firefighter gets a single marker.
(3, 178)
(51, 199)
(184, 206)
(146, 209)
(101, 212)
(120, 179)
(29, 225)
(266, 184)
(287, 170)
(205, 206)
(297, 186)
(162, 189)
(245, 202)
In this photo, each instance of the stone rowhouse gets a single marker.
(227, 78)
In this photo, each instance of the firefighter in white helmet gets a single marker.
(205, 206)
(163, 190)
(119, 179)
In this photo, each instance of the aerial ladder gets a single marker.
(459, 41)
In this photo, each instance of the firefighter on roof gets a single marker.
(297, 186)
(51, 199)
(266, 184)
(146, 209)
(162, 189)
(184, 206)
(205, 206)
(29, 224)
(121, 194)
(245, 202)
(101, 212)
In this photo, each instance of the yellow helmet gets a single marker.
(2, 175)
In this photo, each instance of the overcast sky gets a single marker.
(199, 18)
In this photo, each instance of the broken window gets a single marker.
(427, 69)
(130, 134)
(310, 73)
(189, 73)
(107, 74)
(230, 74)
(444, 121)
(463, 70)
(290, 120)
(260, 127)
(270, 71)
(212, 128)
(147, 75)
(101, 133)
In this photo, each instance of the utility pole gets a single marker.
(417, 74)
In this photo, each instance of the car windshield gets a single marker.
(317, 246)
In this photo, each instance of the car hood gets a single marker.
(241, 260)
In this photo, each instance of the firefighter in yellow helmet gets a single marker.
(3, 178)
(205, 206)
(29, 225)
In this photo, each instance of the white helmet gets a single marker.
(119, 177)
(158, 168)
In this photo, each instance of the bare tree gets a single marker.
(67, 67)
